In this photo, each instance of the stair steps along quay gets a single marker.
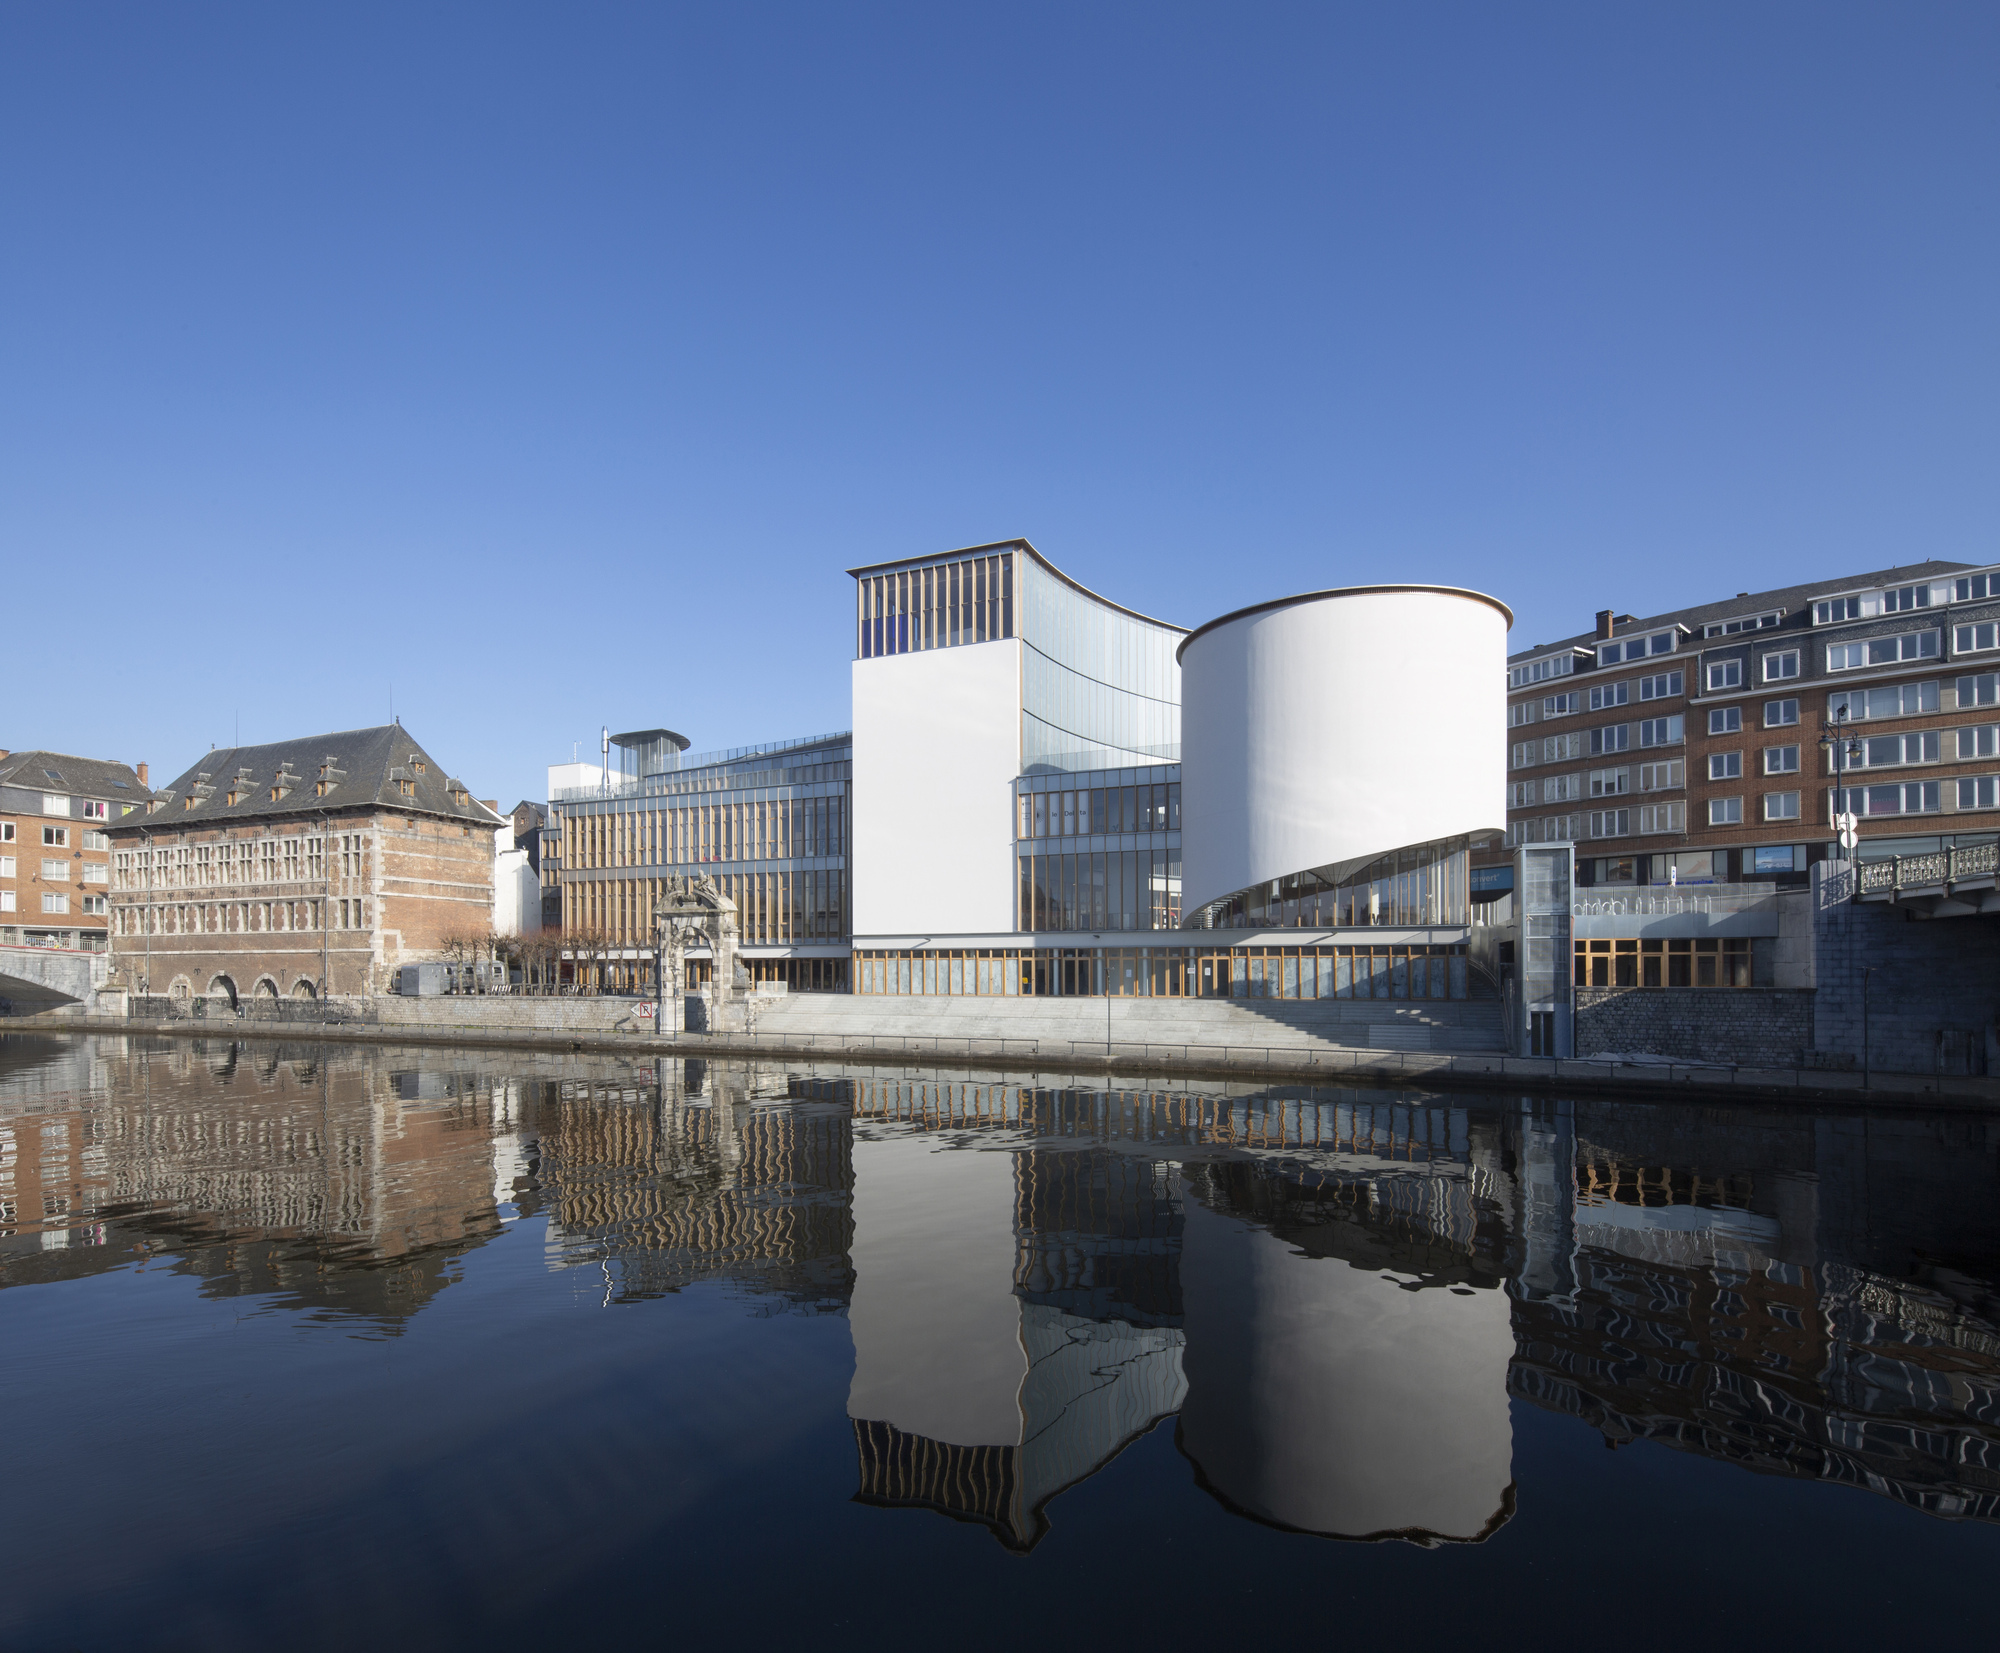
(1318, 1062)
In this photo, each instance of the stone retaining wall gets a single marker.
(1758, 1027)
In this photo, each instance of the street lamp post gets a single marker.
(1840, 746)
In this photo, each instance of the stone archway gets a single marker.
(223, 988)
(266, 988)
(303, 989)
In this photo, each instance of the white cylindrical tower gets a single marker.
(1329, 728)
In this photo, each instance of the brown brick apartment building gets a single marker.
(55, 812)
(300, 868)
(1686, 746)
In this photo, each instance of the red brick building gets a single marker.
(300, 868)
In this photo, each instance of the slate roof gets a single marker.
(1795, 600)
(79, 777)
(364, 767)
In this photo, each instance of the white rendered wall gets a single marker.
(517, 894)
(570, 775)
(937, 744)
(1339, 727)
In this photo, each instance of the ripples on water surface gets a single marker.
(336, 1349)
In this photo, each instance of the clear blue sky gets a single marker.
(551, 363)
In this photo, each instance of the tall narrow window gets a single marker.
(979, 600)
(1007, 596)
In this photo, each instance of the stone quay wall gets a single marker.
(1758, 1027)
(1922, 995)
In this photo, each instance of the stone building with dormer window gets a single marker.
(298, 869)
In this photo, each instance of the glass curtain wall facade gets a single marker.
(1388, 971)
(1424, 885)
(1099, 850)
(967, 597)
(769, 824)
(1100, 685)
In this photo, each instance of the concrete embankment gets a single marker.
(1297, 1062)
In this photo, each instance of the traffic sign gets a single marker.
(1849, 830)
(645, 1011)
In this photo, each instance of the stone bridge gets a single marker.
(40, 979)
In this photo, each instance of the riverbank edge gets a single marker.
(1331, 1064)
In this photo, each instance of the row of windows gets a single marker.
(1638, 648)
(1858, 705)
(233, 862)
(57, 837)
(770, 906)
(1728, 961)
(1099, 810)
(86, 872)
(1899, 798)
(89, 809)
(777, 829)
(1114, 890)
(1644, 820)
(940, 606)
(1417, 887)
(1777, 667)
(1728, 720)
(55, 901)
(1920, 797)
(1615, 737)
(1749, 622)
(1664, 776)
(238, 917)
(1410, 972)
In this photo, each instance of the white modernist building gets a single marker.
(1326, 769)
(1011, 815)
(1031, 817)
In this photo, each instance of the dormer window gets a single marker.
(416, 764)
(329, 778)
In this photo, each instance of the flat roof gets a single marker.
(1028, 550)
(1338, 591)
(646, 737)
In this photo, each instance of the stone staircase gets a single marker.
(1471, 1026)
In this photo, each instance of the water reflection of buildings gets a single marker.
(1336, 1294)
(1800, 1297)
(691, 1179)
(1157, 1272)
(254, 1168)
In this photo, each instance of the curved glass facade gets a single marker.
(1421, 886)
(1100, 687)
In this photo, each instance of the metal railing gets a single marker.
(1933, 869)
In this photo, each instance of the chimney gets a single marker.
(491, 803)
(1604, 622)
(4, 753)
(142, 776)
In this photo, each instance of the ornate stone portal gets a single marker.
(694, 913)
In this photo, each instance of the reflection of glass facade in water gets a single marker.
(692, 1181)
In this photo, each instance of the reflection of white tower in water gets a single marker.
(1327, 1399)
(967, 1398)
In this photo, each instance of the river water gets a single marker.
(316, 1348)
